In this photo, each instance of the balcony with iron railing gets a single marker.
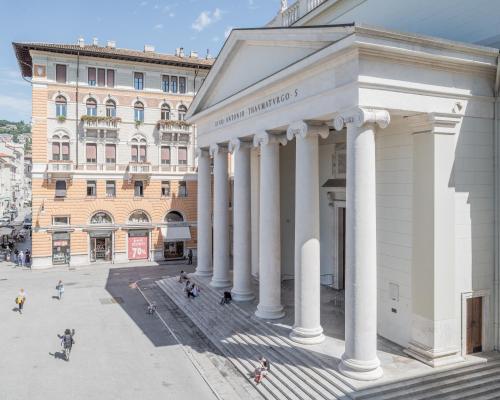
(101, 123)
(171, 126)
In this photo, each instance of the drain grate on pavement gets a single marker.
(111, 300)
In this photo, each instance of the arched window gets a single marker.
(110, 108)
(138, 149)
(174, 216)
(101, 217)
(61, 106)
(60, 148)
(138, 217)
(182, 113)
(165, 112)
(139, 111)
(91, 107)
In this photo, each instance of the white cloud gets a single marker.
(158, 26)
(215, 39)
(252, 5)
(143, 3)
(206, 18)
(171, 15)
(228, 30)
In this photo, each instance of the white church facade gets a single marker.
(363, 159)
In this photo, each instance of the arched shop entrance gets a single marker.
(174, 234)
(101, 237)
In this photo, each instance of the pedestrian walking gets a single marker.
(27, 257)
(16, 256)
(20, 300)
(60, 289)
(190, 256)
(21, 259)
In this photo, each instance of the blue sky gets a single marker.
(193, 24)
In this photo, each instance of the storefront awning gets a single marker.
(173, 233)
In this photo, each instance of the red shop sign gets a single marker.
(137, 247)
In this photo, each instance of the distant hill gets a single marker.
(14, 128)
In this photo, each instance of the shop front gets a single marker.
(61, 251)
(174, 238)
(101, 237)
(101, 246)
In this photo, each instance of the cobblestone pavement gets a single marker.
(121, 352)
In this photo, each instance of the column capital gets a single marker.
(265, 138)
(305, 129)
(217, 148)
(235, 144)
(360, 116)
(201, 152)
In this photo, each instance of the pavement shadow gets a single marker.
(58, 355)
(120, 285)
(15, 309)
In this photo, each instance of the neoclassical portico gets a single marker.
(360, 360)
(334, 126)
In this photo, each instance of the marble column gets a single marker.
(269, 227)
(220, 277)
(242, 251)
(360, 360)
(204, 229)
(307, 327)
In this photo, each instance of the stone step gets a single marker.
(238, 334)
(469, 388)
(316, 369)
(269, 388)
(323, 387)
(324, 375)
(428, 385)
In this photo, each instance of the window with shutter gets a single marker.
(182, 155)
(173, 84)
(111, 78)
(91, 153)
(165, 155)
(101, 77)
(60, 73)
(91, 76)
(65, 151)
(182, 84)
(142, 153)
(56, 152)
(110, 154)
(134, 153)
(138, 80)
(165, 83)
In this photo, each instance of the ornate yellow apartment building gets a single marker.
(114, 170)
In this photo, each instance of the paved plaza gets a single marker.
(120, 351)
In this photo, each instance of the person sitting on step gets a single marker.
(226, 298)
(182, 276)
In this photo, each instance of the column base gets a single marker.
(361, 370)
(433, 357)
(220, 283)
(242, 296)
(307, 336)
(269, 312)
(203, 273)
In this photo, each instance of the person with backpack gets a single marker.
(67, 342)
(20, 300)
(60, 289)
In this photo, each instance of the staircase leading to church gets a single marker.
(298, 374)
(295, 372)
(473, 382)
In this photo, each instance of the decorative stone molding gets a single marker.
(265, 138)
(361, 116)
(217, 148)
(437, 123)
(235, 144)
(304, 129)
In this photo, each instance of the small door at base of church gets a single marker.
(474, 325)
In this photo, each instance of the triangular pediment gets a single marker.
(251, 55)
